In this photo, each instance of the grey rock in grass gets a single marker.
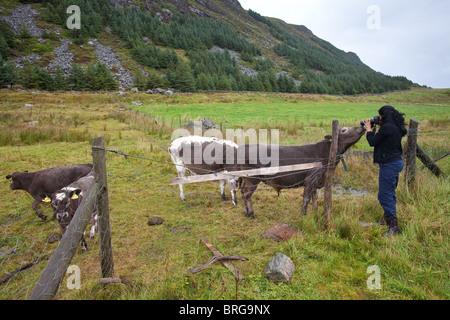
(280, 268)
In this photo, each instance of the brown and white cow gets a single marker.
(291, 155)
(66, 201)
(204, 155)
(43, 182)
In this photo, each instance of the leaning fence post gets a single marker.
(328, 179)
(411, 152)
(428, 162)
(104, 230)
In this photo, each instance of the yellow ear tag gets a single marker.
(75, 196)
(47, 200)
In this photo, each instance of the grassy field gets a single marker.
(330, 264)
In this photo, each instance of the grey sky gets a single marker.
(395, 37)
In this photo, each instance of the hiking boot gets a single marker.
(392, 223)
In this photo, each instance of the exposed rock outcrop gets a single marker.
(23, 16)
(63, 57)
(110, 58)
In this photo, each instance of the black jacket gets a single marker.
(387, 142)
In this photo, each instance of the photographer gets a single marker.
(388, 154)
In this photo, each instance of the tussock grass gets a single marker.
(330, 263)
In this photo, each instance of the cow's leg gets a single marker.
(181, 172)
(35, 205)
(248, 188)
(314, 199)
(222, 190)
(307, 196)
(84, 246)
(233, 186)
(94, 227)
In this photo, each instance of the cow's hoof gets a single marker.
(235, 203)
(250, 215)
(224, 198)
(43, 217)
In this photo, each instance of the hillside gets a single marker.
(181, 44)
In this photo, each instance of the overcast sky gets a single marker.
(396, 37)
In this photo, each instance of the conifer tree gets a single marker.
(59, 79)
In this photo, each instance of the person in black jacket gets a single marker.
(388, 154)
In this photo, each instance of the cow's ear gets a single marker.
(26, 171)
(328, 137)
(8, 176)
(74, 194)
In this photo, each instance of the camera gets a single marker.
(374, 121)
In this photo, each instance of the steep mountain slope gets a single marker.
(183, 44)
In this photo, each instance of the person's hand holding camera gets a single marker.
(368, 125)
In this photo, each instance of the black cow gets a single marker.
(43, 182)
(291, 155)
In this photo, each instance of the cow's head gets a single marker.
(16, 183)
(348, 136)
(61, 200)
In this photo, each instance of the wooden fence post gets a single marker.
(411, 152)
(329, 173)
(104, 229)
(428, 162)
(55, 271)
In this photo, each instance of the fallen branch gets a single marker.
(24, 267)
(115, 280)
(214, 260)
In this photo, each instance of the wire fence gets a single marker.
(155, 236)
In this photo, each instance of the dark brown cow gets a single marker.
(290, 155)
(43, 182)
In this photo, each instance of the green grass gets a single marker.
(246, 109)
(330, 263)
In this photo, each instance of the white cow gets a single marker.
(185, 153)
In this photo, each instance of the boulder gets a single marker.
(158, 90)
(280, 232)
(280, 269)
(207, 124)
